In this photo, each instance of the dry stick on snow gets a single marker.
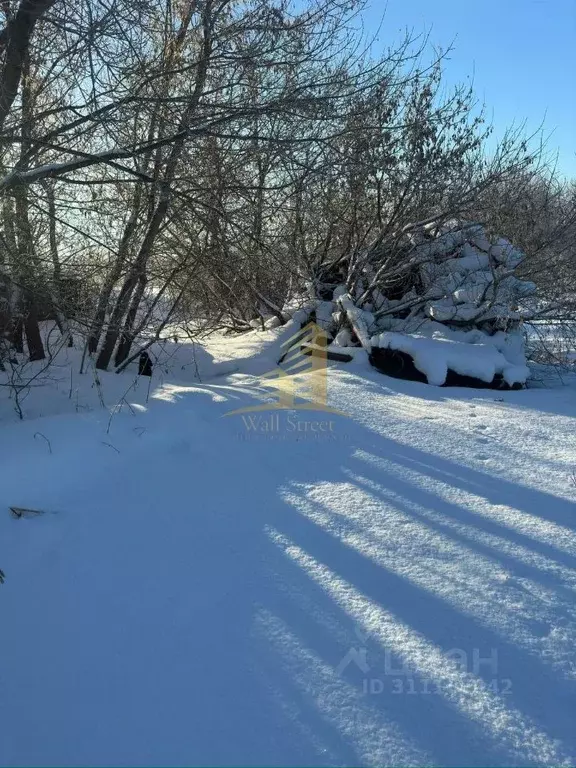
(111, 446)
(118, 407)
(39, 434)
(20, 512)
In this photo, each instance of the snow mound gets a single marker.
(435, 356)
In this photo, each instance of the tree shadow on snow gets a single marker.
(280, 583)
(295, 633)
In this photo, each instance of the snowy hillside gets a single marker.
(394, 587)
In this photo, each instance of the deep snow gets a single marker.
(397, 588)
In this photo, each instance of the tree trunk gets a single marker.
(106, 292)
(16, 334)
(28, 269)
(160, 210)
(15, 44)
(27, 260)
(56, 290)
(127, 337)
(33, 336)
(130, 284)
(13, 324)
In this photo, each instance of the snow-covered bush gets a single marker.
(447, 296)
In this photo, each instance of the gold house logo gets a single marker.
(300, 382)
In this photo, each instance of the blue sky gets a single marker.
(520, 53)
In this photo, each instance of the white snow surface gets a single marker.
(398, 589)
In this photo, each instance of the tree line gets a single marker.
(207, 162)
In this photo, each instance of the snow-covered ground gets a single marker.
(392, 586)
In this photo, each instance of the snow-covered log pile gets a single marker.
(446, 307)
